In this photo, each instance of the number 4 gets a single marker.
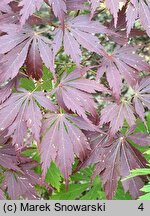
(141, 207)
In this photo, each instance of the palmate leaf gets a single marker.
(7, 157)
(4, 7)
(116, 114)
(115, 159)
(7, 153)
(71, 142)
(122, 33)
(140, 138)
(59, 8)
(73, 93)
(6, 90)
(21, 112)
(123, 62)
(112, 5)
(120, 28)
(28, 8)
(79, 31)
(22, 184)
(31, 6)
(94, 5)
(21, 45)
(141, 10)
(76, 5)
(19, 178)
(142, 97)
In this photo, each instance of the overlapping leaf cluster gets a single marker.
(57, 111)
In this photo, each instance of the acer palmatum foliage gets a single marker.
(67, 93)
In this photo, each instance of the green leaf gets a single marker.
(95, 192)
(27, 84)
(120, 194)
(53, 176)
(145, 197)
(83, 175)
(138, 172)
(148, 120)
(74, 192)
(46, 80)
(33, 153)
(145, 189)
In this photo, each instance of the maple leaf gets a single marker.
(19, 178)
(4, 6)
(76, 5)
(3, 138)
(120, 29)
(28, 8)
(6, 160)
(94, 5)
(116, 114)
(22, 44)
(22, 184)
(31, 6)
(123, 62)
(71, 141)
(114, 159)
(20, 112)
(59, 8)
(97, 141)
(34, 62)
(141, 10)
(7, 153)
(121, 32)
(74, 91)
(140, 138)
(6, 90)
(1, 195)
(142, 97)
(79, 31)
(112, 5)
(9, 18)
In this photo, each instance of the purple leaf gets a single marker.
(24, 46)
(116, 114)
(4, 6)
(140, 139)
(34, 62)
(71, 141)
(142, 97)
(28, 8)
(22, 112)
(2, 195)
(114, 160)
(79, 89)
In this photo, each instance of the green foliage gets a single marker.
(27, 84)
(145, 189)
(81, 187)
(74, 192)
(53, 176)
(121, 195)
